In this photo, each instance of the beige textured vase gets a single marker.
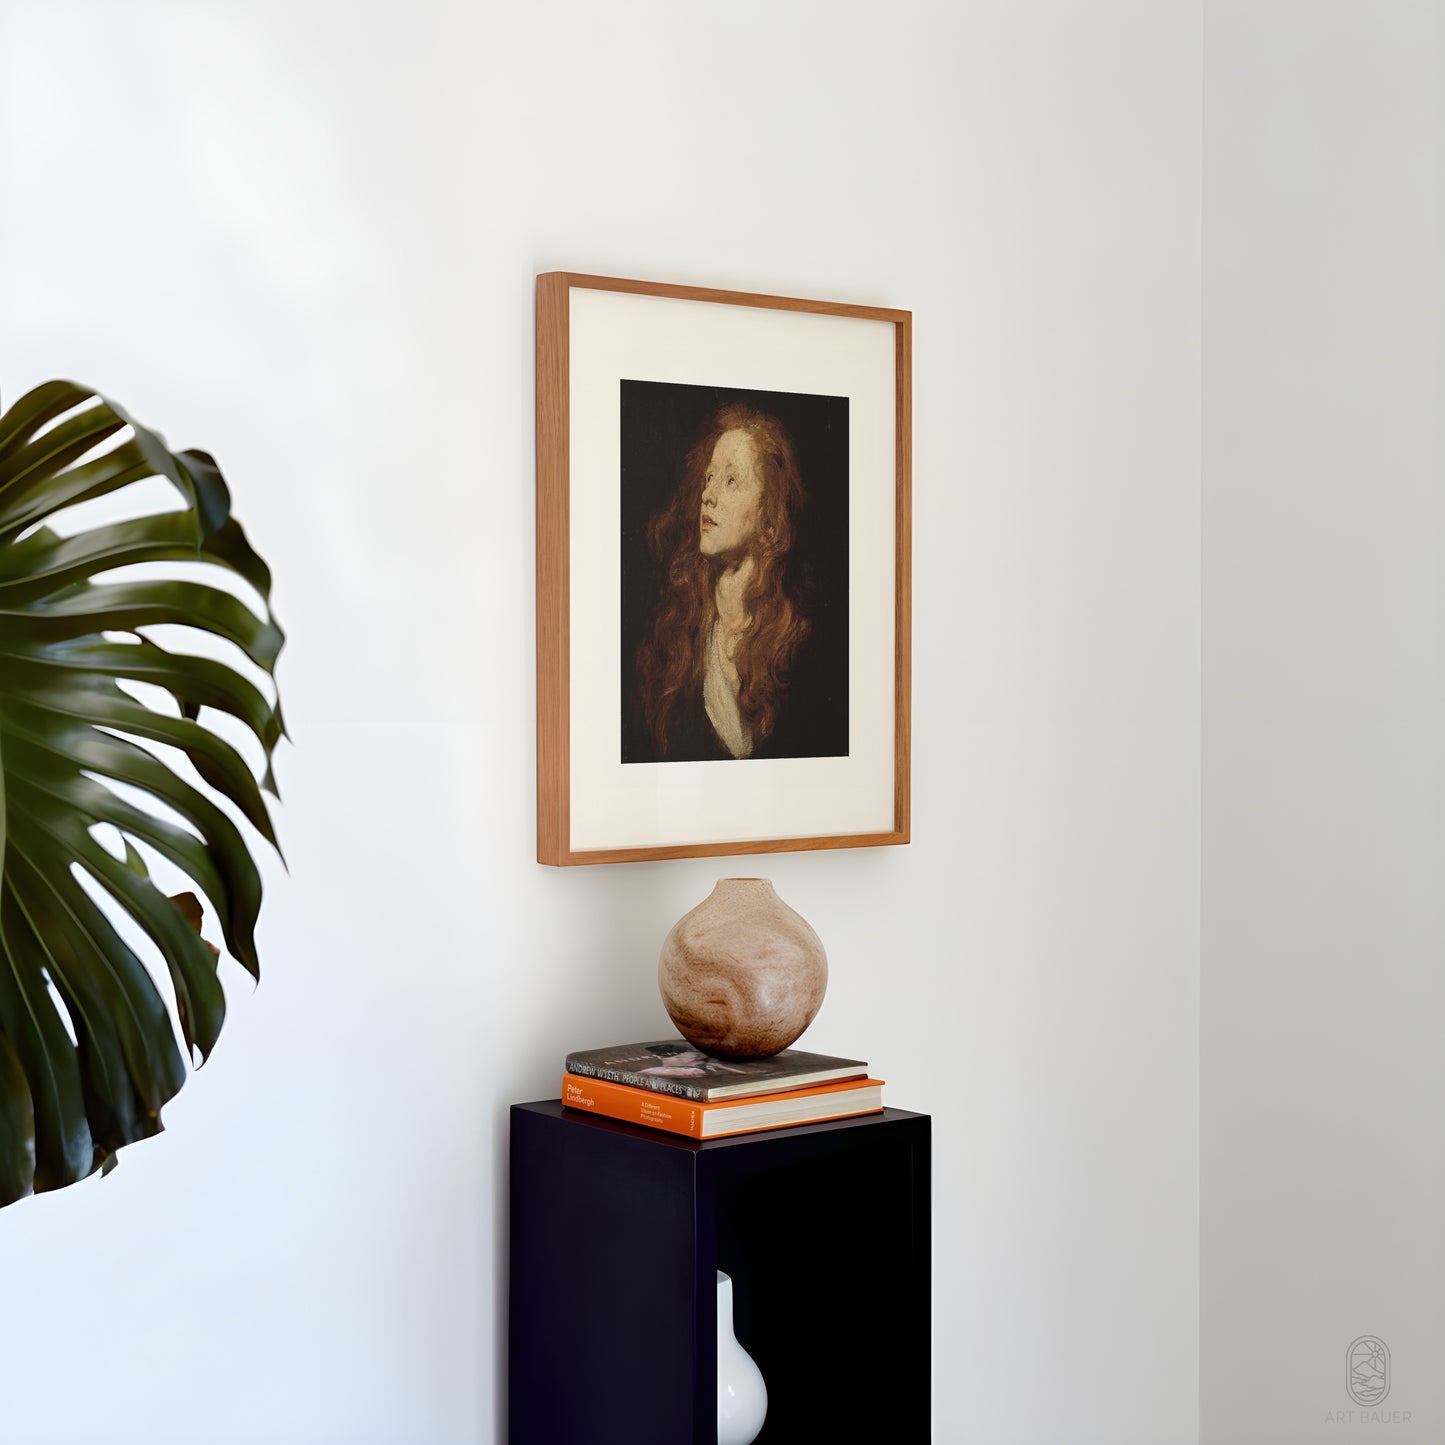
(742, 975)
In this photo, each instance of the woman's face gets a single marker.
(731, 494)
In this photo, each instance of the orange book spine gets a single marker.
(633, 1106)
(685, 1116)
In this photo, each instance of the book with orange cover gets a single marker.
(781, 1110)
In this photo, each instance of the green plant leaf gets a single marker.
(88, 1053)
(17, 1126)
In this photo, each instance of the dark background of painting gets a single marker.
(661, 422)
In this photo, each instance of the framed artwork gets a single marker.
(723, 551)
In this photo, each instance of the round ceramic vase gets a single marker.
(742, 975)
(742, 1397)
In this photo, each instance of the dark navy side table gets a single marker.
(616, 1236)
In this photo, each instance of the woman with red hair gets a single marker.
(717, 676)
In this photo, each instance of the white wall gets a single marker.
(1324, 713)
(304, 236)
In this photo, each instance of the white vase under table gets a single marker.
(742, 1397)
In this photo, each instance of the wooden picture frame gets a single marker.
(723, 560)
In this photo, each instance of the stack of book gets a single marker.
(668, 1084)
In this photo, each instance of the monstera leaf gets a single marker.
(88, 1052)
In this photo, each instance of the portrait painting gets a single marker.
(723, 558)
(734, 574)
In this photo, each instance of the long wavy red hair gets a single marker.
(671, 662)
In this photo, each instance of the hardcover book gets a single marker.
(733, 1116)
(673, 1066)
